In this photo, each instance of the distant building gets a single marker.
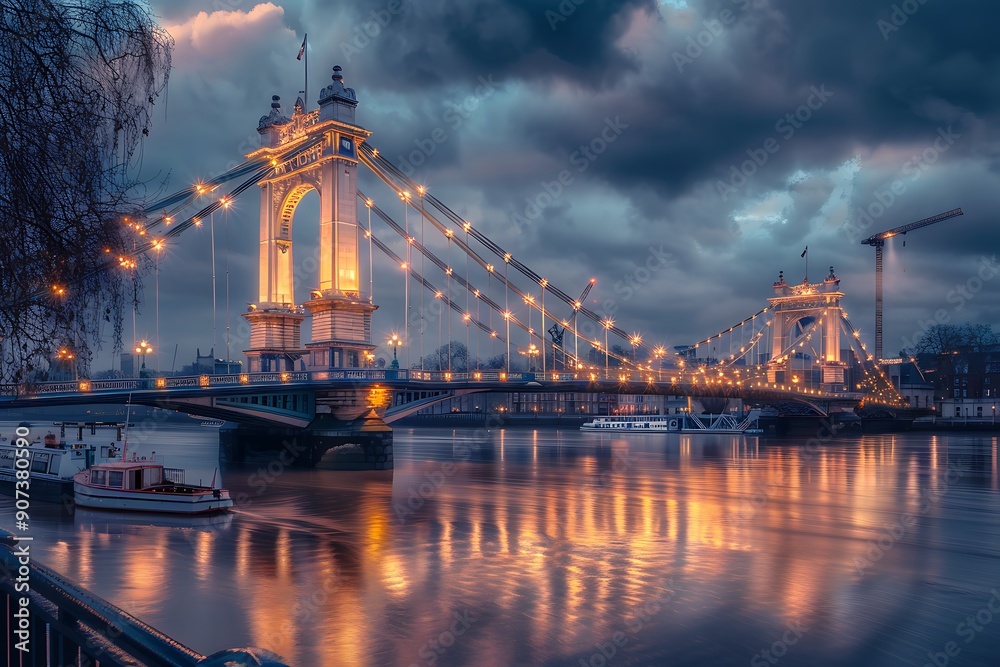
(128, 364)
(204, 364)
(915, 388)
(223, 367)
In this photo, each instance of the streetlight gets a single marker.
(370, 358)
(531, 352)
(608, 322)
(66, 356)
(506, 316)
(142, 349)
(658, 352)
(394, 342)
(636, 340)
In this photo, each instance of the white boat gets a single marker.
(680, 423)
(145, 487)
(51, 466)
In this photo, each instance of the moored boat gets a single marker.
(145, 487)
(50, 467)
(680, 423)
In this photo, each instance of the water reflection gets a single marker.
(542, 547)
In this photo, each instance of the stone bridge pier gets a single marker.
(347, 433)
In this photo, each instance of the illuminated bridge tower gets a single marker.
(807, 321)
(341, 314)
(346, 431)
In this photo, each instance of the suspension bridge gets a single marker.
(800, 346)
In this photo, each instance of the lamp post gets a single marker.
(506, 316)
(658, 353)
(405, 196)
(531, 353)
(65, 356)
(608, 322)
(142, 349)
(636, 341)
(544, 282)
(394, 342)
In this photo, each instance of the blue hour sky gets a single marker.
(711, 140)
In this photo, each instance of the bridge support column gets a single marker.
(363, 443)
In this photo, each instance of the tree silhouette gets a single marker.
(78, 81)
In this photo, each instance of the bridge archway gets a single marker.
(327, 163)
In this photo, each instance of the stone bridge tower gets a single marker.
(327, 140)
(813, 306)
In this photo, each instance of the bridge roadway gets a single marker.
(294, 398)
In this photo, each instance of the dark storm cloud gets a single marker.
(557, 83)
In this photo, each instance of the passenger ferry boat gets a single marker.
(680, 423)
(145, 486)
(51, 466)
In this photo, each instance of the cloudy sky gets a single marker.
(727, 134)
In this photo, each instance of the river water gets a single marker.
(555, 547)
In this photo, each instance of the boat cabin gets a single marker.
(130, 476)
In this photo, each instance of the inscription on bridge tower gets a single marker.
(316, 150)
(804, 313)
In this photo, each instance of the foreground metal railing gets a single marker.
(51, 621)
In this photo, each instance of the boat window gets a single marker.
(98, 477)
(115, 479)
(7, 458)
(39, 462)
(136, 479)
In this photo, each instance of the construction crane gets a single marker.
(556, 333)
(878, 240)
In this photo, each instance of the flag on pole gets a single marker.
(302, 49)
(804, 252)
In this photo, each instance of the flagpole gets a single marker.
(305, 41)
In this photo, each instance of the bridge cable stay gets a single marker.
(387, 251)
(751, 319)
(263, 169)
(871, 369)
(128, 258)
(463, 282)
(443, 266)
(380, 166)
(182, 198)
(448, 233)
(755, 373)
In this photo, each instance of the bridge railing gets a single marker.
(349, 375)
(50, 620)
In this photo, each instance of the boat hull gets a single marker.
(150, 501)
(46, 488)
